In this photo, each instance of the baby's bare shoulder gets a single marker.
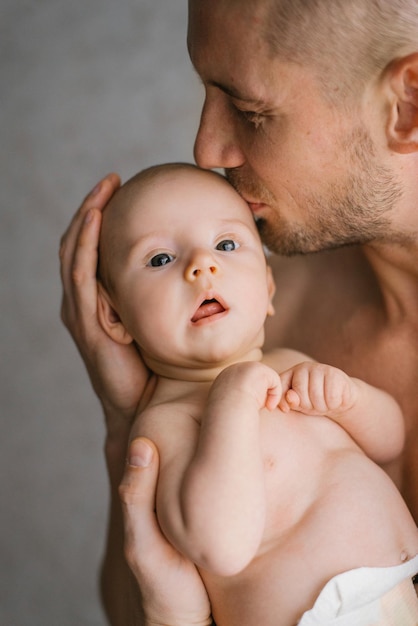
(281, 359)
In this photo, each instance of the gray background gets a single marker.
(87, 87)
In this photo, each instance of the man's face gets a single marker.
(308, 169)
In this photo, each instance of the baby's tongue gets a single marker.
(206, 309)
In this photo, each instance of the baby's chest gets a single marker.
(167, 421)
(295, 460)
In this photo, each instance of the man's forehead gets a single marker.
(227, 47)
(227, 5)
(224, 21)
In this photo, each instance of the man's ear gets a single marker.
(403, 121)
(109, 319)
(271, 287)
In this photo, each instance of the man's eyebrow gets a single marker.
(234, 93)
(229, 91)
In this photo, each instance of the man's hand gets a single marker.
(171, 589)
(114, 369)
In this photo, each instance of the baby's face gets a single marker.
(189, 275)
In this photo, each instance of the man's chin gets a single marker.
(289, 243)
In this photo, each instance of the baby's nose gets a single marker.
(202, 264)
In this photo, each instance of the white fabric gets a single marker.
(355, 598)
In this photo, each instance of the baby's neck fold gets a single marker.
(198, 372)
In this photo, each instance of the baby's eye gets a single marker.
(227, 245)
(160, 259)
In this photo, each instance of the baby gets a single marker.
(269, 480)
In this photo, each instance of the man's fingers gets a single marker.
(139, 481)
(84, 263)
(96, 199)
(78, 275)
(78, 254)
(137, 493)
(171, 588)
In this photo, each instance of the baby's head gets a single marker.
(182, 271)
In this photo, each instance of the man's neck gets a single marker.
(396, 270)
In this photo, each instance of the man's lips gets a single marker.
(255, 206)
(208, 308)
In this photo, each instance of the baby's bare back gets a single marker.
(329, 509)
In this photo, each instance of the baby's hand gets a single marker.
(251, 378)
(317, 389)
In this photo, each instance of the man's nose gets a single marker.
(216, 144)
(201, 265)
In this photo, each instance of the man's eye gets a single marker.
(227, 245)
(252, 117)
(160, 259)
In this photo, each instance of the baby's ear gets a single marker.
(402, 129)
(271, 287)
(109, 319)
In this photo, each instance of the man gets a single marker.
(312, 109)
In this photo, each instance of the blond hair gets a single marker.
(347, 42)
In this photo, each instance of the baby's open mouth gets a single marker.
(207, 309)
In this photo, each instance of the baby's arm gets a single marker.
(211, 501)
(371, 416)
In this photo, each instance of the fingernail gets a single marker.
(96, 190)
(140, 454)
(88, 217)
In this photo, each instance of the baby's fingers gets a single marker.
(290, 401)
(304, 388)
(273, 397)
